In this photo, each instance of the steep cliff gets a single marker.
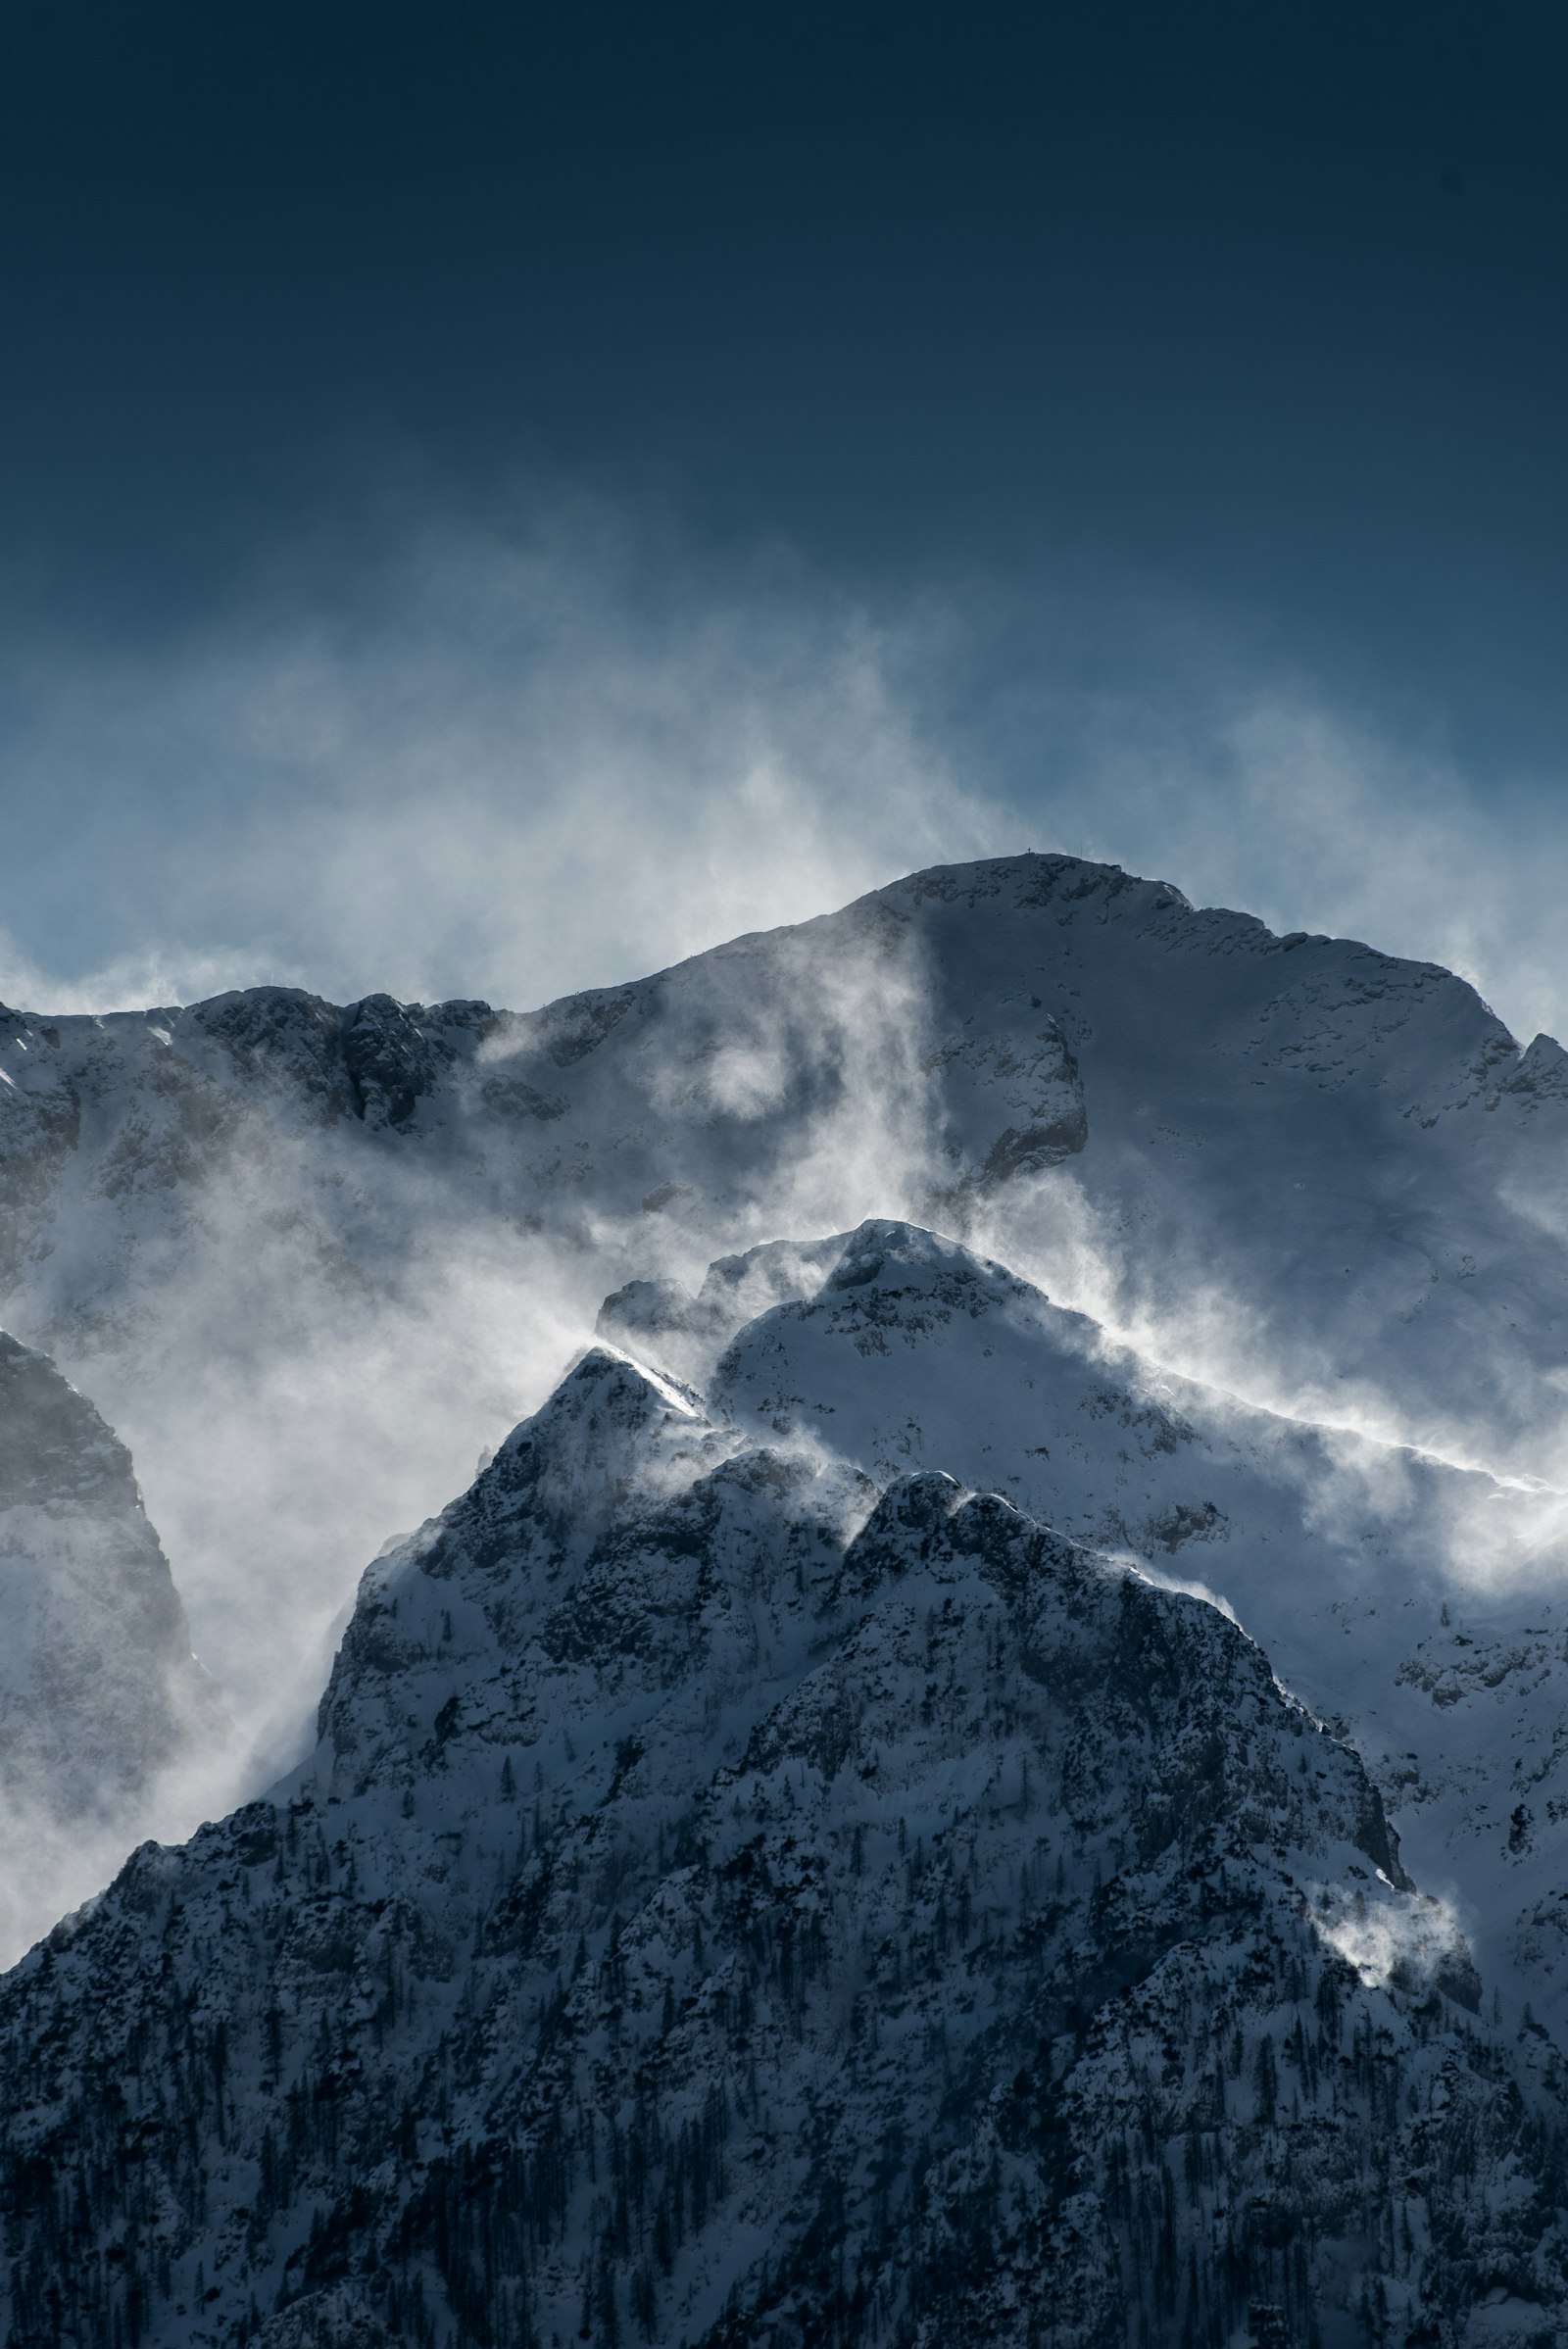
(734, 1898)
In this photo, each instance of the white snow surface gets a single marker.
(742, 1895)
(1418, 1608)
(1308, 1200)
(309, 1260)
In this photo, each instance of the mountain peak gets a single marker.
(781, 1846)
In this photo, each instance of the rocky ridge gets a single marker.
(805, 1848)
(1412, 1603)
(1321, 1177)
(739, 1895)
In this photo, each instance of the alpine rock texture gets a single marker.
(1322, 1178)
(1365, 1570)
(732, 1900)
(1351, 1145)
(988, 1764)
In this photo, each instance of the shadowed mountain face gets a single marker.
(100, 1695)
(804, 1849)
(1348, 1149)
(735, 1899)
(1417, 1607)
(1324, 1178)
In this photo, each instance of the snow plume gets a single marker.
(312, 1354)
(1169, 1308)
(1361, 1465)
(831, 1046)
(1251, 784)
(290, 1409)
(1049, 1230)
(293, 1404)
(50, 1866)
(535, 752)
(1189, 1586)
(168, 972)
(1387, 842)
(508, 760)
(1407, 1937)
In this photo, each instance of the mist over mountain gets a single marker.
(729, 1903)
(1321, 1176)
(988, 1762)
(102, 1705)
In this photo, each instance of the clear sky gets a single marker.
(498, 496)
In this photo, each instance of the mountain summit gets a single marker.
(738, 1898)
(1323, 1178)
(987, 1765)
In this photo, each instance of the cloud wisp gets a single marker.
(511, 766)
(563, 747)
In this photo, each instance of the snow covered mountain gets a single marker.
(101, 1699)
(738, 1895)
(1005, 1786)
(1324, 1179)
(1421, 1609)
(372, 1234)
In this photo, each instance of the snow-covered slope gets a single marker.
(738, 1898)
(101, 1699)
(1321, 1177)
(1421, 1609)
(370, 1234)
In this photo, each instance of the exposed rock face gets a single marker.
(1400, 1598)
(99, 1692)
(1324, 1178)
(243, 1212)
(739, 1897)
(793, 1854)
(703, 1082)
(1353, 1147)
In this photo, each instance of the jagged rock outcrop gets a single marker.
(239, 1212)
(1322, 1177)
(309, 1258)
(1280, 1117)
(1416, 1605)
(736, 1897)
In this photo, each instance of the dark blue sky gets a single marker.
(1256, 317)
